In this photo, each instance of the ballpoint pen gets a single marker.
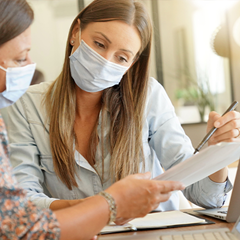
(213, 130)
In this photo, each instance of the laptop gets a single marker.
(205, 234)
(230, 213)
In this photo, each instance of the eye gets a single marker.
(20, 61)
(100, 45)
(122, 59)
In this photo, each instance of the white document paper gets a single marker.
(155, 220)
(203, 164)
(165, 219)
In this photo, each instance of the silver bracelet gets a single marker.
(112, 206)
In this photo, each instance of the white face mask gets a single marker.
(18, 80)
(93, 73)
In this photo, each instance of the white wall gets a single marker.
(233, 15)
(49, 34)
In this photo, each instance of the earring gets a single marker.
(72, 42)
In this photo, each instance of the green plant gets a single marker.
(197, 92)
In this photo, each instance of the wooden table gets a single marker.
(154, 234)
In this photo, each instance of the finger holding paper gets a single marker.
(148, 195)
(154, 193)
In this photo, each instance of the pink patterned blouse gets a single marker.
(20, 218)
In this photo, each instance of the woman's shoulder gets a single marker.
(35, 94)
(31, 103)
(39, 88)
(157, 102)
(153, 84)
(157, 91)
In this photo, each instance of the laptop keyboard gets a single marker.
(201, 236)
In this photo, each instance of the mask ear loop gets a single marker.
(4, 69)
(79, 36)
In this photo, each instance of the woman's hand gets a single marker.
(228, 127)
(228, 130)
(136, 195)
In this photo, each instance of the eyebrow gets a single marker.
(105, 37)
(26, 49)
(125, 50)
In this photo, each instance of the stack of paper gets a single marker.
(203, 164)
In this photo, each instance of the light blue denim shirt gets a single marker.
(164, 141)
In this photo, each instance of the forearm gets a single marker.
(83, 220)
(208, 194)
(60, 204)
(220, 176)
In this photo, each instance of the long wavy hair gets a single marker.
(125, 103)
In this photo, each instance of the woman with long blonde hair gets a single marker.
(103, 118)
(20, 218)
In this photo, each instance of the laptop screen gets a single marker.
(236, 229)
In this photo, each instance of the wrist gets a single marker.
(112, 205)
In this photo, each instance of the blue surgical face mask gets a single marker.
(93, 73)
(18, 80)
